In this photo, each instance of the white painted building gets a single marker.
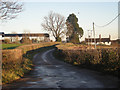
(39, 37)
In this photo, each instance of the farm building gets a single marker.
(98, 40)
(34, 37)
(115, 42)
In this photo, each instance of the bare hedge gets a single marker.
(106, 59)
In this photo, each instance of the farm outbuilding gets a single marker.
(34, 37)
(98, 40)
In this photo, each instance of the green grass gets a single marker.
(10, 46)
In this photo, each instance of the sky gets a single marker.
(87, 12)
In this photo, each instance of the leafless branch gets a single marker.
(54, 23)
(9, 9)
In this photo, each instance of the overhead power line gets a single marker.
(109, 22)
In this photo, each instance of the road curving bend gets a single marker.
(52, 73)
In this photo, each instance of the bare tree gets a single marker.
(26, 37)
(54, 23)
(9, 9)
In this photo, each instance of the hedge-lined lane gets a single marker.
(17, 62)
(52, 73)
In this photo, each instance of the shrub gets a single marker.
(105, 60)
(58, 39)
(74, 39)
(110, 59)
(25, 40)
(7, 41)
(83, 42)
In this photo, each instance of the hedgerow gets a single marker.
(106, 60)
(17, 62)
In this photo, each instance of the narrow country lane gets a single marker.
(52, 73)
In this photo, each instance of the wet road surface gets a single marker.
(52, 73)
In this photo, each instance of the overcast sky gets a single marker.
(87, 12)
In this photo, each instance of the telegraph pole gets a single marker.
(88, 37)
(94, 35)
(91, 38)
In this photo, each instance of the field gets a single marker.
(10, 46)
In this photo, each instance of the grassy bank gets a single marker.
(17, 62)
(10, 46)
(105, 60)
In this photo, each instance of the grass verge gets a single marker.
(11, 46)
(17, 62)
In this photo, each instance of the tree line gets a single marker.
(58, 27)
